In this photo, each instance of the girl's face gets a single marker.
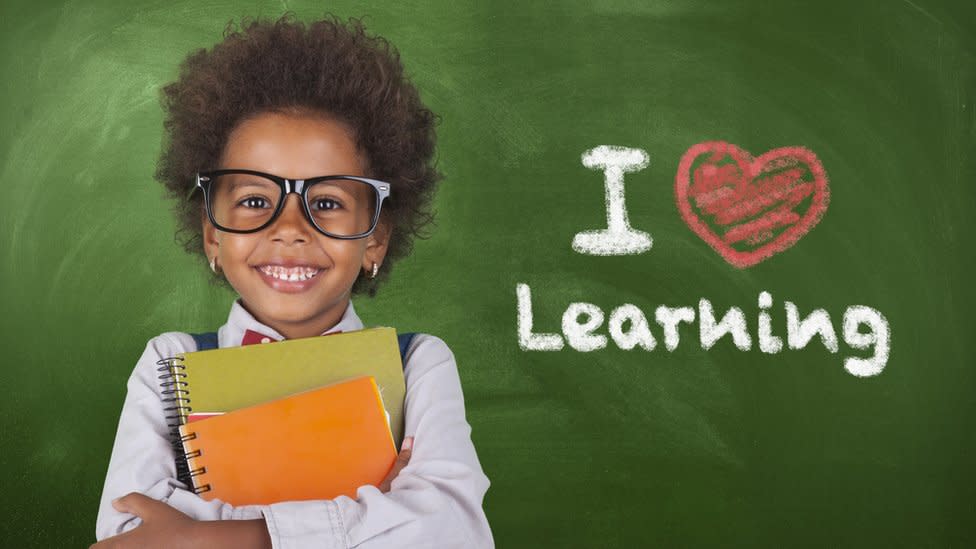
(293, 147)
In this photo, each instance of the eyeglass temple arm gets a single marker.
(291, 186)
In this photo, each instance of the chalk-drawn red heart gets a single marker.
(747, 208)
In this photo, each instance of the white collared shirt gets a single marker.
(435, 501)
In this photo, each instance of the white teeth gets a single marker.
(294, 274)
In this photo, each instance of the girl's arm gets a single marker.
(142, 457)
(165, 527)
(435, 500)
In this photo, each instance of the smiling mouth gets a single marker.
(290, 274)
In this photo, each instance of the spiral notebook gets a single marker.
(318, 444)
(209, 383)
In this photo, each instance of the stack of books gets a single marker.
(299, 419)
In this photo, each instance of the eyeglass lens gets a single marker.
(243, 202)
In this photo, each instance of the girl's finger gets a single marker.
(133, 503)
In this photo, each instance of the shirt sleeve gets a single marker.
(435, 501)
(142, 456)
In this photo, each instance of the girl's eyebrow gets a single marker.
(236, 183)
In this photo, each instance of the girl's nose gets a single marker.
(291, 225)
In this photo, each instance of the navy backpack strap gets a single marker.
(205, 341)
(404, 341)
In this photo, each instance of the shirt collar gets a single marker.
(240, 320)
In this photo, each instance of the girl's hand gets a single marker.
(165, 527)
(162, 526)
(400, 463)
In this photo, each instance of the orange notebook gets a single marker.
(317, 444)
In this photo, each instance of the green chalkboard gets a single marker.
(705, 444)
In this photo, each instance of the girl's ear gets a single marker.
(211, 246)
(376, 245)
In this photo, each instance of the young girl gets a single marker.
(257, 123)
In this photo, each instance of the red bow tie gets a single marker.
(251, 337)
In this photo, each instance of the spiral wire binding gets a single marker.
(193, 472)
(176, 395)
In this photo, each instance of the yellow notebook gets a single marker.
(221, 380)
(317, 444)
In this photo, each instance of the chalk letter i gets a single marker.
(619, 238)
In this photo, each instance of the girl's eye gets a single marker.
(325, 204)
(255, 202)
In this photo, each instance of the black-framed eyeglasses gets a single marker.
(247, 201)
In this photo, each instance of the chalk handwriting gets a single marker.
(619, 238)
(747, 210)
(581, 323)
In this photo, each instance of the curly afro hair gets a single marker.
(326, 68)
